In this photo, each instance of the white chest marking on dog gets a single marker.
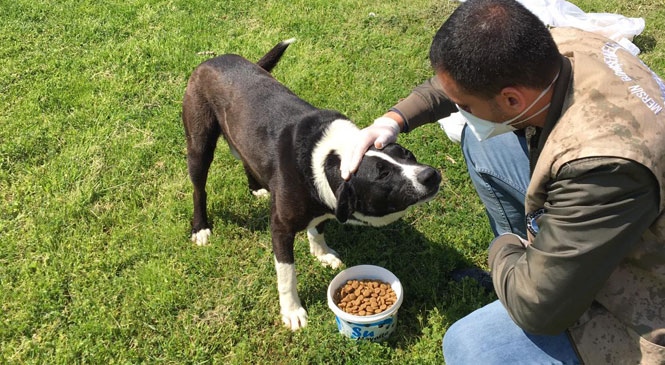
(318, 220)
(376, 221)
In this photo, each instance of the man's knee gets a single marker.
(478, 338)
(458, 344)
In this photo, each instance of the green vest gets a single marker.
(614, 108)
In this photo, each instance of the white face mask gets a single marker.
(484, 129)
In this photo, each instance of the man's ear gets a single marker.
(512, 98)
(346, 201)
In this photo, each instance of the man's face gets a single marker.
(481, 107)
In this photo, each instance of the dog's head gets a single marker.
(386, 184)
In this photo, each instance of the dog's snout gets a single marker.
(429, 177)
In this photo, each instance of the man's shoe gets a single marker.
(481, 276)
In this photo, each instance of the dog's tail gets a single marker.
(269, 61)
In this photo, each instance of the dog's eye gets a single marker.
(384, 174)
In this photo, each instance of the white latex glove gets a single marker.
(382, 132)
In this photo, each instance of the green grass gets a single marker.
(95, 261)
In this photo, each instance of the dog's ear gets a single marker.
(346, 201)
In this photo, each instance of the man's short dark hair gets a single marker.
(487, 45)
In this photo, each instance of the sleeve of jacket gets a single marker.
(427, 103)
(596, 211)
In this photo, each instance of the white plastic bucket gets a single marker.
(376, 327)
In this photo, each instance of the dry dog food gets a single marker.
(365, 297)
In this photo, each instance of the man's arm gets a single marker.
(425, 104)
(596, 211)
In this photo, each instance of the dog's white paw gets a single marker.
(318, 247)
(295, 319)
(261, 193)
(330, 259)
(294, 315)
(200, 238)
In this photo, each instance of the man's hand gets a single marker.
(382, 132)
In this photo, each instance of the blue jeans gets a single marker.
(489, 336)
(499, 169)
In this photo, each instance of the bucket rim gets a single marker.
(366, 272)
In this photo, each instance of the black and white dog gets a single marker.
(292, 150)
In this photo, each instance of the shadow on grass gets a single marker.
(424, 268)
(254, 220)
(249, 212)
(646, 43)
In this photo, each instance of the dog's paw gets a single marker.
(261, 193)
(200, 238)
(330, 259)
(318, 247)
(295, 319)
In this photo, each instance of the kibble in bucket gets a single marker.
(365, 297)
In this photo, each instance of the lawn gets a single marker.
(96, 265)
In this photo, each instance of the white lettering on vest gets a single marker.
(652, 104)
(612, 61)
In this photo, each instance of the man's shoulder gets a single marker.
(575, 37)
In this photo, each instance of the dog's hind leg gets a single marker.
(202, 134)
(318, 247)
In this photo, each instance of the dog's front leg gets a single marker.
(293, 314)
(318, 247)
